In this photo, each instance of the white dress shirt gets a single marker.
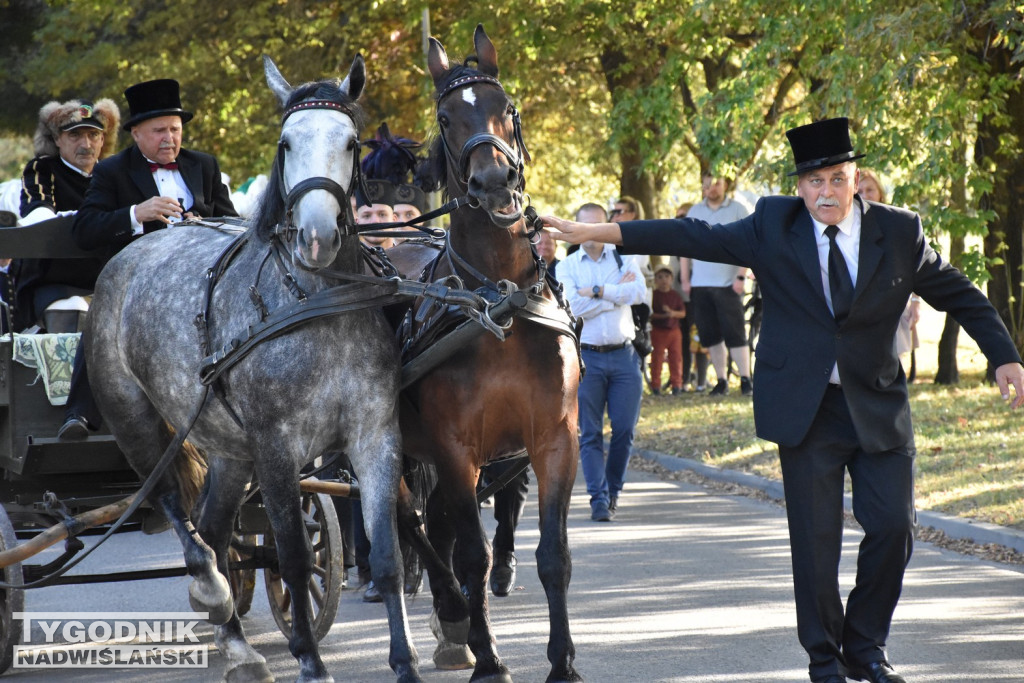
(169, 183)
(607, 320)
(848, 241)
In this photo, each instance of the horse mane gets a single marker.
(271, 206)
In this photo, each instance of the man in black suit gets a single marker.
(148, 186)
(835, 273)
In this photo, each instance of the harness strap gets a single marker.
(328, 302)
(376, 229)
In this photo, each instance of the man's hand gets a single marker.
(158, 209)
(578, 233)
(628, 276)
(1011, 373)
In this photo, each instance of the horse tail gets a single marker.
(189, 471)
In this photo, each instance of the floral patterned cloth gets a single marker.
(52, 355)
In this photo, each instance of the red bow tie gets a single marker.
(173, 166)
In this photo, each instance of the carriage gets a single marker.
(149, 393)
(53, 490)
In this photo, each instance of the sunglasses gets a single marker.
(615, 212)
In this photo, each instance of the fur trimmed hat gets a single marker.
(56, 117)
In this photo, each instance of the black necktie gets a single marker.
(839, 281)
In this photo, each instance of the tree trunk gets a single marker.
(948, 372)
(1006, 199)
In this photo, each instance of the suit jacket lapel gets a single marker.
(138, 170)
(801, 236)
(870, 249)
(192, 174)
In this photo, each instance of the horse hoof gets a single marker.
(250, 672)
(453, 657)
(501, 677)
(218, 613)
(453, 631)
(570, 677)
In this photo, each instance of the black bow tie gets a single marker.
(153, 166)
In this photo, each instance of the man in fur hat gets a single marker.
(148, 186)
(71, 138)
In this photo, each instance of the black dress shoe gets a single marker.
(74, 429)
(830, 679)
(876, 672)
(503, 574)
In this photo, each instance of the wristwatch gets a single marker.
(597, 291)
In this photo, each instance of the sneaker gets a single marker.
(721, 389)
(700, 388)
(746, 386)
(613, 505)
(600, 512)
(372, 593)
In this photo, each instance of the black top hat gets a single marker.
(821, 144)
(377, 192)
(150, 99)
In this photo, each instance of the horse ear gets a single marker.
(486, 55)
(437, 60)
(356, 79)
(276, 81)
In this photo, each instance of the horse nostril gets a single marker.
(475, 186)
(513, 177)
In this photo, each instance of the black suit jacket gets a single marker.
(123, 180)
(800, 340)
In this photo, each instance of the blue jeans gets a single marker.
(613, 379)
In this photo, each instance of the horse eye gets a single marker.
(283, 144)
(510, 110)
(353, 144)
(442, 120)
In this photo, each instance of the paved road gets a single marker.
(685, 586)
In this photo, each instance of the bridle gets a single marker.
(516, 157)
(346, 221)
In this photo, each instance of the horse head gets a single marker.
(478, 122)
(307, 201)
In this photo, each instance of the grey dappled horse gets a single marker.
(330, 384)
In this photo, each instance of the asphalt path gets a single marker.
(685, 586)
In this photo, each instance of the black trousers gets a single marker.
(80, 400)
(883, 504)
(509, 502)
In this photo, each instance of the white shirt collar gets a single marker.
(845, 226)
(75, 168)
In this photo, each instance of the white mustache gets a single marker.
(822, 201)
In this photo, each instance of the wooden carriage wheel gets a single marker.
(242, 581)
(11, 600)
(328, 571)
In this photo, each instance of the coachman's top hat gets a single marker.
(150, 99)
(821, 144)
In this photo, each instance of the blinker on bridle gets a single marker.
(516, 157)
(346, 221)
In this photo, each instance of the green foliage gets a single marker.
(614, 93)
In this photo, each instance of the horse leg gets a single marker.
(449, 620)
(555, 467)
(473, 556)
(279, 482)
(226, 483)
(377, 461)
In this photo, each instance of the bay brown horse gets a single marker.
(492, 399)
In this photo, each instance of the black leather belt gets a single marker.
(604, 349)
